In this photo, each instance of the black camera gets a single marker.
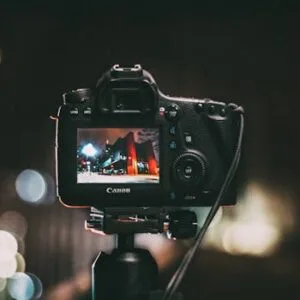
(125, 144)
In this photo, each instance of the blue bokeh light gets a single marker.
(20, 287)
(38, 286)
(31, 186)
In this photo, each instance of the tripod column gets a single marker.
(125, 241)
(128, 273)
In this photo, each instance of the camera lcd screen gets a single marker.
(118, 155)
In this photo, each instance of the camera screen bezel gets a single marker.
(73, 194)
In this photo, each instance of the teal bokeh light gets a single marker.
(21, 287)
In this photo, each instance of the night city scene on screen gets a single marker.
(118, 155)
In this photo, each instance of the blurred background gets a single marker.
(246, 53)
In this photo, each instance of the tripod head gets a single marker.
(130, 273)
(176, 224)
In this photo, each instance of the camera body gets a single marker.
(126, 144)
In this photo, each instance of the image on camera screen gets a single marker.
(118, 155)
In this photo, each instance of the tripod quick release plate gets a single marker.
(177, 224)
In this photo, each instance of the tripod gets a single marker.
(128, 273)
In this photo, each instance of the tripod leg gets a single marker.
(101, 277)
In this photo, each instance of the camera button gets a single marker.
(188, 138)
(172, 113)
(172, 145)
(211, 109)
(188, 171)
(199, 107)
(189, 168)
(223, 112)
(87, 111)
(74, 111)
(172, 130)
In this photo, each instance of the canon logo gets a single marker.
(111, 190)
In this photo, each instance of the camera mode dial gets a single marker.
(189, 168)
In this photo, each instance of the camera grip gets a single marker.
(221, 120)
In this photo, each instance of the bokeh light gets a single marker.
(8, 267)
(82, 281)
(31, 186)
(50, 194)
(20, 287)
(3, 283)
(8, 246)
(21, 245)
(255, 225)
(62, 291)
(21, 264)
(14, 222)
(8, 251)
(38, 286)
(250, 238)
(89, 150)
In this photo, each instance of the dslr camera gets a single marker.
(126, 144)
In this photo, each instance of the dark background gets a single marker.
(246, 53)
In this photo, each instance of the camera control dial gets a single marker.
(77, 96)
(189, 168)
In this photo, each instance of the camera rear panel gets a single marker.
(165, 151)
